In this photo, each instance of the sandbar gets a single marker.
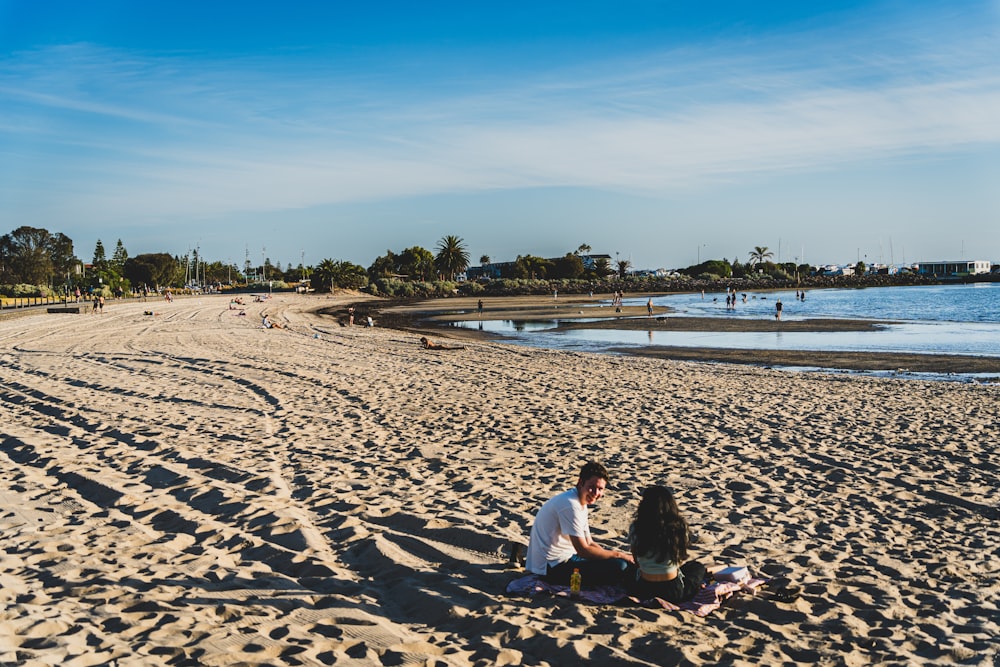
(577, 311)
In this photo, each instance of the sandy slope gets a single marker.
(186, 488)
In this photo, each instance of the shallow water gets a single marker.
(940, 319)
(978, 302)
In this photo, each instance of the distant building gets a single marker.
(835, 270)
(652, 273)
(496, 270)
(590, 261)
(954, 268)
(490, 271)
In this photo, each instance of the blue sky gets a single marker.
(652, 131)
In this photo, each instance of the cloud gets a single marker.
(184, 136)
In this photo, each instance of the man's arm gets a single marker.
(591, 551)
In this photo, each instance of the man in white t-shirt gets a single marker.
(560, 537)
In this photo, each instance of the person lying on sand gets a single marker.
(431, 345)
(268, 324)
(560, 539)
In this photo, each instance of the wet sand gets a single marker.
(434, 317)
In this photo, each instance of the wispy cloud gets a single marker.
(186, 136)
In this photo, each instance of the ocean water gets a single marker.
(977, 302)
(941, 319)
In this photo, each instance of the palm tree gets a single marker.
(485, 259)
(452, 256)
(759, 255)
(623, 266)
(331, 274)
(325, 275)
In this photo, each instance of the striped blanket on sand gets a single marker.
(704, 603)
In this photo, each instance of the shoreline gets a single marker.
(435, 318)
(897, 362)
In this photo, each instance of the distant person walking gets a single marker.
(777, 310)
(649, 307)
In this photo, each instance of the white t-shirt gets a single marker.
(558, 519)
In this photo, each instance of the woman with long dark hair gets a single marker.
(659, 539)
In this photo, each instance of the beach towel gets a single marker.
(533, 584)
(709, 598)
(704, 602)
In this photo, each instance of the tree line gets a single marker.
(36, 262)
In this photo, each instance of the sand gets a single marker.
(187, 488)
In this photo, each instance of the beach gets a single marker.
(587, 312)
(186, 487)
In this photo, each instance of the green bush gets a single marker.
(394, 287)
(517, 286)
(470, 288)
(422, 289)
(443, 288)
(780, 274)
(23, 290)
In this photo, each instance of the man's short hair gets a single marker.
(594, 469)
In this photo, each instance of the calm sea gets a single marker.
(944, 319)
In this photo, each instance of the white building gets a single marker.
(954, 268)
(835, 270)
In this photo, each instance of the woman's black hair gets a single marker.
(658, 527)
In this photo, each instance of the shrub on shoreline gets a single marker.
(706, 282)
(22, 290)
(396, 288)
